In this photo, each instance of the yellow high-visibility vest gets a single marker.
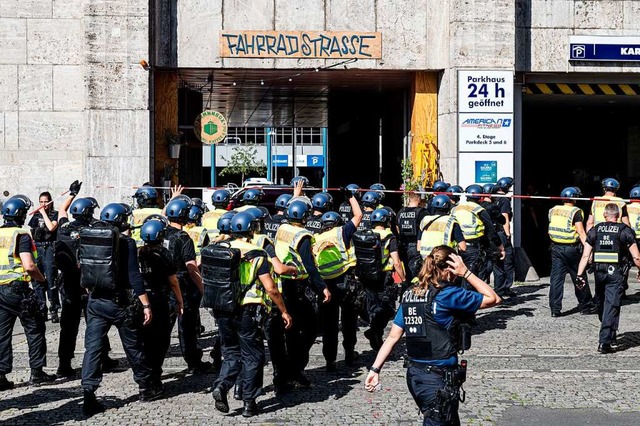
(11, 268)
(562, 230)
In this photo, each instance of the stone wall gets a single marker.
(73, 99)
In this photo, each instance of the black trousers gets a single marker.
(564, 260)
(503, 270)
(423, 387)
(156, 336)
(47, 289)
(101, 315)
(242, 341)
(475, 258)
(189, 322)
(11, 299)
(609, 291)
(302, 334)
(410, 257)
(330, 313)
(379, 309)
(274, 332)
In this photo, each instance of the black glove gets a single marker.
(74, 188)
(347, 193)
(581, 281)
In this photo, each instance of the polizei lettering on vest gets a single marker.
(608, 228)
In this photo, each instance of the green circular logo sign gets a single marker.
(210, 127)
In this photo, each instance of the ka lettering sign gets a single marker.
(300, 44)
(485, 91)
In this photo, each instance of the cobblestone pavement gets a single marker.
(522, 363)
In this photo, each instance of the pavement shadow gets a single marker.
(497, 319)
(69, 411)
(628, 340)
(181, 382)
(527, 289)
(631, 299)
(40, 395)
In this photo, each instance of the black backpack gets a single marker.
(221, 277)
(368, 249)
(66, 247)
(99, 257)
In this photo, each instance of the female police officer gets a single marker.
(432, 313)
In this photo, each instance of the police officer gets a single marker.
(272, 223)
(611, 242)
(17, 268)
(220, 200)
(479, 232)
(109, 302)
(159, 275)
(566, 231)
(503, 269)
(380, 290)
(370, 201)
(434, 314)
(610, 187)
(250, 198)
(498, 221)
(633, 209)
(335, 259)
(345, 208)
(183, 252)
(440, 228)
(322, 202)
(409, 218)
(197, 232)
(453, 192)
(241, 330)
(294, 245)
(44, 224)
(146, 200)
(438, 187)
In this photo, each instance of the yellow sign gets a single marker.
(301, 44)
(210, 127)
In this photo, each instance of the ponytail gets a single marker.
(433, 269)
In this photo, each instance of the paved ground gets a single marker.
(525, 368)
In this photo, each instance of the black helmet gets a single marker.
(220, 198)
(178, 209)
(439, 186)
(252, 196)
(297, 211)
(146, 196)
(305, 181)
(473, 192)
(83, 207)
(380, 216)
(16, 208)
(242, 223)
(489, 188)
(354, 190)
(635, 193)
(441, 203)
(371, 199)
(610, 184)
(224, 222)
(570, 192)
(330, 220)
(322, 201)
(457, 189)
(504, 184)
(153, 229)
(282, 201)
(117, 214)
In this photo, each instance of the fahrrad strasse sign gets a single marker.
(301, 44)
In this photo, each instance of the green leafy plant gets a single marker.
(243, 161)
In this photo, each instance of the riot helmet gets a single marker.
(354, 190)
(473, 192)
(116, 214)
(635, 193)
(15, 209)
(83, 208)
(441, 204)
(220, 198)
(610, 184)
(371, 199)
(305, 181)
(297, 211)
(457, 189)
(252, 196)
(379, 188)
(330, 220)
(242, 223)
(504, 184)
(322, 202)
(196, 210)
(178, 209)
(489, 188)
(282, 201)
(224, 222)
(146, 196)
(570, 192)
(153, 229)
(439, 186)
(380, 217)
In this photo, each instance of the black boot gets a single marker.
(220, 397)
(151, 393)
(54, 317)
(65, 369)
(90, 404)
(351, 357)
(237, 392)
(38, 377)
(109, 364)
(250, 409)
(4, 383)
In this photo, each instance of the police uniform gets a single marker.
(633, 210)
(137, 219)
(434, 335)
(345, 211)
(439, 230)
(45, 240)
(271, 225)
(409, 234)
(503, 270)
(183, 250)
(610, 242)
(365, 223)
(200, 237)
(566, 251)
(210, 219)
(17, 300)
(294, 247)
(597, 208)
(241, 332)
(314, 224)
(157, 267)
(498, 221)
(336, 258)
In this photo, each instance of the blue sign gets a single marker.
(604, 48)
(280, 160)
(486, 171)
(315, 161)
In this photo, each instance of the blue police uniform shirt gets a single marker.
(449, 301)
(348, 229)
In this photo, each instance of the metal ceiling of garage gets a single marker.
(282, 98)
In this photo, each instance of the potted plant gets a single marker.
(173, 142)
